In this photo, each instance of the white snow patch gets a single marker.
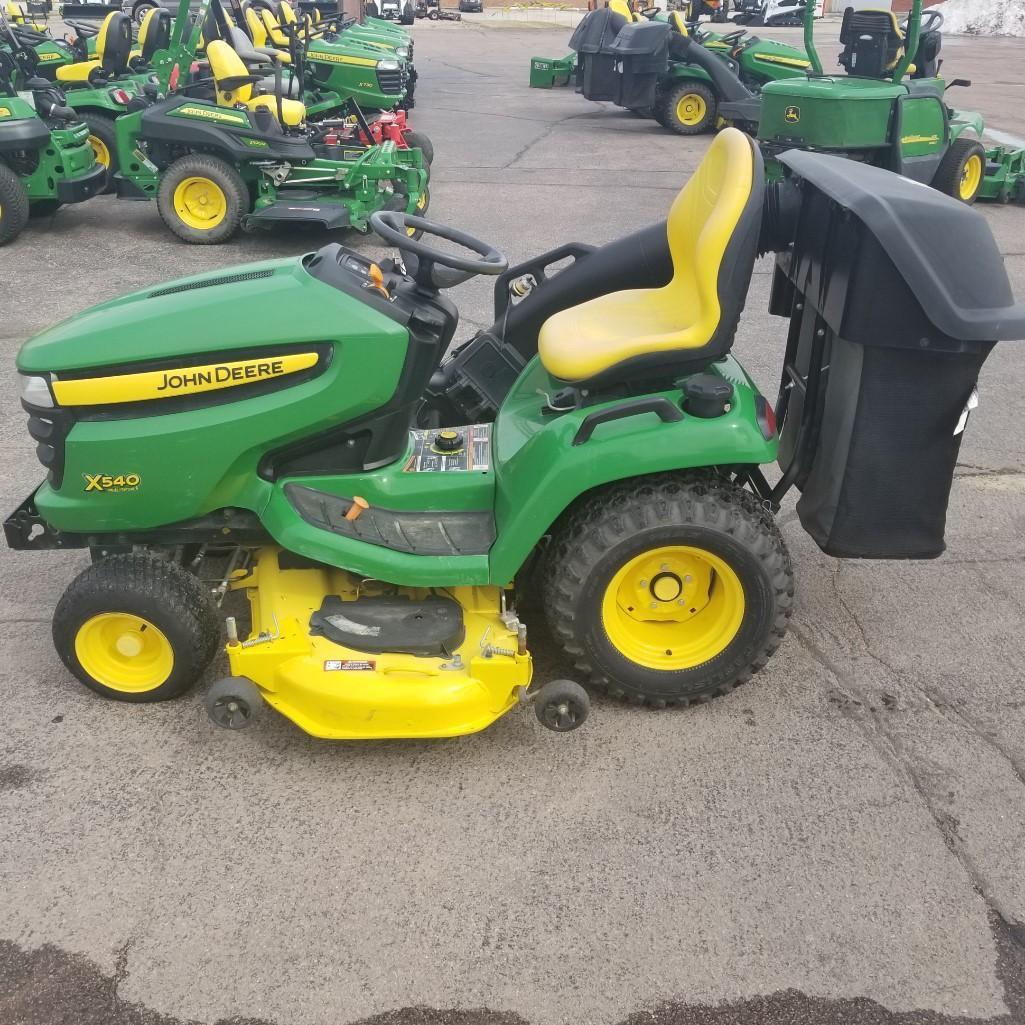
(983, 17)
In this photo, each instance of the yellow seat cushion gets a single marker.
(79, 72)
(273, 29)
(677, 22)
(586, 340)
(293, 112)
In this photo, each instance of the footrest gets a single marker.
(432, 628)
(298, 210)
(418, 533)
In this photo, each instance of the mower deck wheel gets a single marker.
(202, 199)
(962, 170)
(669, 590)
(103, 139)
(232, 702)
(136, 628)
(687, 108)
(561, 705)
(13, 205)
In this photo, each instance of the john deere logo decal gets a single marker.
(108, 482)
(211, 115)
(792, 115)
(163, 384)
(5, 111)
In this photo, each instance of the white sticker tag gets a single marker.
(28, 97)
(972, 403)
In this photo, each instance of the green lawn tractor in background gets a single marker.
(888, 109)
(383, 510)
(218, 153)
(681, 74)
(45, 156)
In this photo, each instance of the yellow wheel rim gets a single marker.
(200, 203)
(124, 652)
(101, 151)
(971, 177)
(691, 109)
(421, 206)
(673, 608)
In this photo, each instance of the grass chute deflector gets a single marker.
(383, 508)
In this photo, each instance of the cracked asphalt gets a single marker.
(841, 840)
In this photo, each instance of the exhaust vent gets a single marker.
(224, 279)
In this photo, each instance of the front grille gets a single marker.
(224, 279)
(390, 81)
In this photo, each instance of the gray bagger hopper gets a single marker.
(592, 41)
(896, 294)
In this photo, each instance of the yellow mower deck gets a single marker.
(340, 693)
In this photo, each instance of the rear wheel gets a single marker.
(669, 590)
(417, 140)
(13, 205)
(687, 108)
(961, 170)
(202, 199)
(103, 140)
(135, 628)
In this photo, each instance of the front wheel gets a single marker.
(14, 207)
(135, 628)
(202, 199)
(417, 140)
(687, 108)
(670, 589)
(962, 170)
(103, 140)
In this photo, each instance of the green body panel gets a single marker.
(67, 157)
(198, 459)
(966, 120)
(923, 127)
(1005, 175)
(53, 54)
(834, 113)
(540, 472)
(549, 72)
(86, 99)
(346, 74)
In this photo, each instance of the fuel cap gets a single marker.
(448, 441)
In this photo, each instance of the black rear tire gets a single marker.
(225, 180)
(103, 139)
(417, 140)
(961, 170)
(687, 108)
(14, 206)
(677, 638)
(165, 599)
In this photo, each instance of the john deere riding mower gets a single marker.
(45, 156)
(378, 508)
(889, 109)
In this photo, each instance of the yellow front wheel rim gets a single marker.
(101, 151)
(124, 652)
(200, 203)
(691, 109)
(673, 608)
(971, 176)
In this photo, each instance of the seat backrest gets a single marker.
(226, 64)
(713, 230)
(286, 15)
(621, 7)
(272, 27)
(114, 43)
(872, 42)
(257, 31)
(154, 32)
(677, 23)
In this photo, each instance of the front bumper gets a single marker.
(77, 190)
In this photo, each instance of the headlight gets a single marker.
(35, 391)
(403, 52)
(387, 65)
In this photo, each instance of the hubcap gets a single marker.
(971, 176)
(100, 150)
(673, 608)
(200, 203)
(691, 109)
(124, 652)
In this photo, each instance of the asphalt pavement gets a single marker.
(840, 840)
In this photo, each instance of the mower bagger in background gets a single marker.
(773, 13)
(888, 109)
(382, 508)
(45, 156)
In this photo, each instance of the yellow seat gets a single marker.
(17, 14)
(621, 7)
(113, 51)
(274, 31)
(713, 229)
(258, 34)
(225, 65)
(676, 22)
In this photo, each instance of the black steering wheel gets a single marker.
(436, 268)
(648, 12)
(932, 21)
(734, 37)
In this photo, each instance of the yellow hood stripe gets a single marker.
(175, 381)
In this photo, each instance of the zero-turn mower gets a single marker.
(381, 507)
(45, 156)
(889, 109)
